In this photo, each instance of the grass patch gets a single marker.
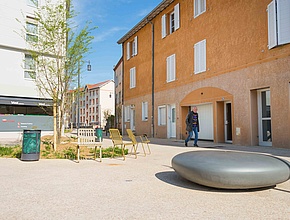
(11, 152)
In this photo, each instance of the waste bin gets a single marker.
(99, 134)
(31, 145)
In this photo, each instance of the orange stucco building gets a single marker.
(229, 58)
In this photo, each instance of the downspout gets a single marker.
(152, 117)
(122, 97)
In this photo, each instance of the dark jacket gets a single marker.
(189, 121)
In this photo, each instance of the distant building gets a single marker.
(231, 59)
(97, 102)
(118, 75)
(22, 106)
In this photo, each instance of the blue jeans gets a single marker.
(190, 133)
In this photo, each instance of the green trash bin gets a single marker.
(99, 134)
(31, 145)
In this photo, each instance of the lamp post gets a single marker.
(89, 68)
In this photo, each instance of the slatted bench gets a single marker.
(87, 138)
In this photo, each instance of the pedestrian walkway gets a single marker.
(142, 188)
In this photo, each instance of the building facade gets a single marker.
(22, 106)
(96, 103)
(231, 59)
(118, 78)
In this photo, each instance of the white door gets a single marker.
(205, 114)
(171, 119)
(264, 116)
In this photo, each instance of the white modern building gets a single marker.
(22, 106)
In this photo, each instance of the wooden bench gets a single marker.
(87, 137)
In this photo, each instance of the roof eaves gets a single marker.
(159, 8)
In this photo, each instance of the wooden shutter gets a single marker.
(176, 17)
(163, 28)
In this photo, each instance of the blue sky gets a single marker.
(114, 18)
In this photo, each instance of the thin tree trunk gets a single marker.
(54, 126)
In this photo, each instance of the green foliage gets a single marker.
(11, 152)
(107, 152)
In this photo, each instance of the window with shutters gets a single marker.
(133, 77)
(132, 48)
(170, 68)
(144, 111)
(170, 22)
(278, 23)
(200, 57)
(199, 7)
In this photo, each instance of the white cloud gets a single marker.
(106, 34)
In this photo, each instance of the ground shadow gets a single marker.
(171, 177)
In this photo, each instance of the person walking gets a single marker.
(192, 125)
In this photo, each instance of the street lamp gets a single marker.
(89, 68)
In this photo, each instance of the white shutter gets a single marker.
(133, 77)
(163, 28)
(272, 27)
(128, 50)
(136, 45)
(176, 17)
(167, 68)
(170, 68)
(203, 56)
(195, 9)
(283, 21)
(200, 57)
(172, 78)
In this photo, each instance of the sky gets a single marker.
(113, 18)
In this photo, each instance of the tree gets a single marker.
(58, 51)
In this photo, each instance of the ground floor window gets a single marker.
(264, 115)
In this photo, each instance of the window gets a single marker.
(29, 67)
(173, 21)
(134, 51)
(170, 62)
(161, 115)
(200, 57)
(135, 46)
(144, 111)
(127, 113)
(128, 51)
(31, 30)
(278, 23)
(33, 3)
(133, 77)
(199, 7)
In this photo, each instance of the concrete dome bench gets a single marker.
(231, 170)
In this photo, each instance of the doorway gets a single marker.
(171, 118)
(264, 117)
(228, 122)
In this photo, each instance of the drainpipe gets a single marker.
(152, 117)
(122, 97)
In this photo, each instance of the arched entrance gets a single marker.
(215, 113)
